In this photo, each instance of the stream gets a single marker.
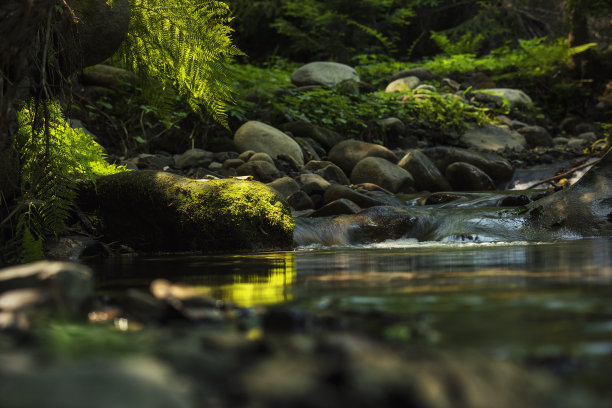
(544, 303)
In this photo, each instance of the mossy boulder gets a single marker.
(159, 211)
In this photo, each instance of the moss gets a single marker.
(157, 211)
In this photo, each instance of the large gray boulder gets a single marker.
(323, 73)
(348, 153)
(493, 138)
(383, 173)
(260, 137)
(426, 174)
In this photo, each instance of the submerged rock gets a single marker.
(157, 211)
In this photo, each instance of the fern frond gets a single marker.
(182, 46)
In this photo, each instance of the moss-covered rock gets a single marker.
(158, 211)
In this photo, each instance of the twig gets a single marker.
(564, 174)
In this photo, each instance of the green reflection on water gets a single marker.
(261, 289)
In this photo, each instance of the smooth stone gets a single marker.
(589, 137)
(403, 84)
(233, 163)
(260, 170)
(313, 183)
(467, 177)
(246, 155)
(383, 173)
(576, 143)
(329, 171)
(515, 97)
(536, 136)
(426, 87)
(300, 201)
(337, 207)
(493, 138)
(323, 73)
(426, 174)
(285, 186)
(194, 158)
(336, 192)
(260, 137)
(262, 157)
(107, 76)
(393, 126)
(498, 168)
(348, 153)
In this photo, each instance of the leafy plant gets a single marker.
(53, 157)
(182, 46)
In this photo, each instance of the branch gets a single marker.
(564, 174)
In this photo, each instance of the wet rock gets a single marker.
(582, 208)
(375, 224)
(325, 137)
(262, 157)
(285, 186)
(194, 158)
(442, 198)
(426, 174)
(348, 153)
(260, 170)
(337, 207)
(246, 155)
(74, 248)
(498, 168)
(336, 192)
(323, 73)
(467, 177)
(383, 173)
(515, 97)
(422, 73)
(536, 136)
(260, 137)
(403, 84)
(300, 201)
(493, 138)
(514, 200)
(157, 211)
(56, 287)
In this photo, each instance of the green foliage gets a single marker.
(535, 57)
(336, 29)
(182, 46)
(53, 156)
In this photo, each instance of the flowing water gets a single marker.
(548, 304)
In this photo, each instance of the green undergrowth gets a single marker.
(53, 156)
(532, 58)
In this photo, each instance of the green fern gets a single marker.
(54, 156)
(182, 46)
